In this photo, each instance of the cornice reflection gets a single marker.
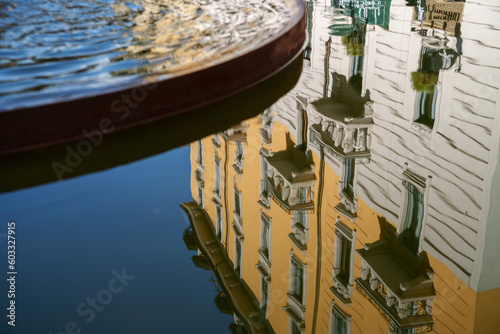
(364, 200)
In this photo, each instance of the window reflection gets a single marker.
(373, 192)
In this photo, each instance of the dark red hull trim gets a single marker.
(30, 128)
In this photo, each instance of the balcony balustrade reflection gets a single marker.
(341, 124)
(396, 281)
(291, 179)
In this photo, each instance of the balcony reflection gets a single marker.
(366, 204)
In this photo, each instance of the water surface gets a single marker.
(376, 176)
(55, 50)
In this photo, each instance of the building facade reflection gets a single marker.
(361, 208)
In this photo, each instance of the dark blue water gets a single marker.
(70, 236)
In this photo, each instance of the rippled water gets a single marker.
(53, 50)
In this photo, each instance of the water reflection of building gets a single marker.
(300, 263)
(260, 244)
(435, 140)
(376, 227)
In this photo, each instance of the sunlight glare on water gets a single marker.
(53, 50)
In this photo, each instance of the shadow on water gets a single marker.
(26, 169)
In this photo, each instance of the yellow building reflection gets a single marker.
(269, 217)
(339, 211)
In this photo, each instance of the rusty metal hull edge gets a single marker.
(31, 128)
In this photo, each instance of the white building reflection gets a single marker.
(374, 187)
